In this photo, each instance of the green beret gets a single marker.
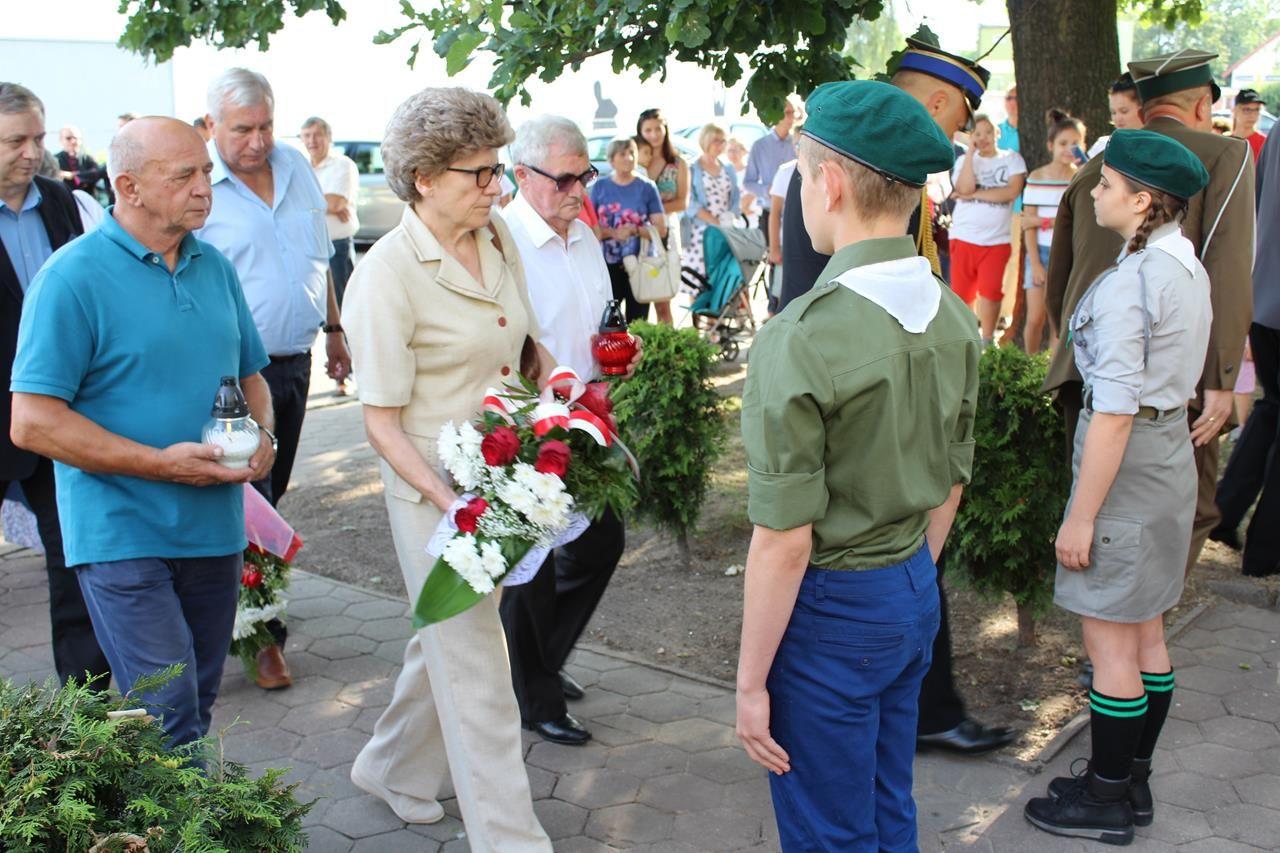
(1174, 72)
(879, 126)
(1157, 161)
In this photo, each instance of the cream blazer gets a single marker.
(429, 339)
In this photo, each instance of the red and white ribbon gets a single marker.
(500, 404)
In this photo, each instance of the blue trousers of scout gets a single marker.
(151, 613)
(843, 695)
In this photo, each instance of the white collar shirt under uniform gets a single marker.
(568, 284)
(338, 175)
(281, 252)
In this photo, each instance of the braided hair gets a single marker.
(1165, 207)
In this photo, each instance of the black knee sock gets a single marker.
(1159, 698)
(1115, 724)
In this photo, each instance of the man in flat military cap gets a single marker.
(950, 88)
(1177, 92)
(857, 420)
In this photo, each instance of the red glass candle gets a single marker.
(615, 346)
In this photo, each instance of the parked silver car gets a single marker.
(377, 207)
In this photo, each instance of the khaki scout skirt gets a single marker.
(1143, 531)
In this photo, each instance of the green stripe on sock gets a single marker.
(1119, 704)
(1111, 712)
(1161, 683)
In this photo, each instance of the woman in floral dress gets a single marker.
(714, 195)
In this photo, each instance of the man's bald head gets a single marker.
(160, 170)
(151, 139)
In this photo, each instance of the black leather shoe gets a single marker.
(572, 689)
(1098, 810)
(968, 738)
(565, 730)
(1140, 800)
(1227, 536)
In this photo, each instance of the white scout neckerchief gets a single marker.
(1178, 247)
(904, 287)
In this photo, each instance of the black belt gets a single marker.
(280, 359)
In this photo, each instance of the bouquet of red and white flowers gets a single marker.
(273, 544)
(533, 469)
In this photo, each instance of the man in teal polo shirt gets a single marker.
(125, 335)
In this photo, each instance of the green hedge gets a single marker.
(673, 420)
(1009, 517)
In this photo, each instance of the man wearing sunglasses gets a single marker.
(568, 286)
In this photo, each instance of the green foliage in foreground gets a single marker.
(72, 778)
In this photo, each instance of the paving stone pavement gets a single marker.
(663, 773)
(1216, 771)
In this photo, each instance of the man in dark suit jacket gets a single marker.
(37, 216)
(79, 171)
(1177, 93)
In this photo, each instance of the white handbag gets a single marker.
(650, 271)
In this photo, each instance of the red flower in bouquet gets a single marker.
(467, 519)
(251, 577)
(553, 458)
(500, 447)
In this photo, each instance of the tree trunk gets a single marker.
(682, 545)
(1066, 54)
(1026, 626)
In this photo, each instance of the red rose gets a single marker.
(467, 519)
(596, 401)
(251, 577)
(553, 458)
(500, 446)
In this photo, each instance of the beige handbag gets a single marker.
(650, 274)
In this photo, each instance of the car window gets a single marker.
(597, 146)
(367, 156)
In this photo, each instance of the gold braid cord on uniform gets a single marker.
(925, 247)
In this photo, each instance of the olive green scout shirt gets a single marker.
(854, 424)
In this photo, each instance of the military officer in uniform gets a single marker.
(1177, 93)
(1140, 333)
(858, 426)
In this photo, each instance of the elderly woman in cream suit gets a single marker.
(436, 313)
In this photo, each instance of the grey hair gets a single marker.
(15, 98)
(619, 145)
(536, 138)
(125, 154)
(316, 121)
(49, 167)
(436, 127)
(239, 87)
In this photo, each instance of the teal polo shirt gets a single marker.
(139, 351)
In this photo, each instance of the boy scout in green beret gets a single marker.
(858, 425)
(1177, 93)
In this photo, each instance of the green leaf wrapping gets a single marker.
(446, 594)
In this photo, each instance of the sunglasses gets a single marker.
(484, 175)
(564, 183)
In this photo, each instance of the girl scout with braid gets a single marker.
(858, 424)
(1140, 335)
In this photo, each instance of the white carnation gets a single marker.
(494, 563)
(463, 557)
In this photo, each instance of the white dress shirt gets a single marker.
(338, 175)
(281, 252)
(568, 284)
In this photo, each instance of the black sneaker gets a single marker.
(1098, 810)
(1140, 800)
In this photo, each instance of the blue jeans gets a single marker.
(843, 695)
(152, 613)
(341, 265)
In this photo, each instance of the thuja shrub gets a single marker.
(77, 776)
(1009, 517)
(671, 417)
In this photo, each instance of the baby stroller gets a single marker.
(735, 262)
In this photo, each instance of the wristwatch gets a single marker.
(330, 328)
(275, 443)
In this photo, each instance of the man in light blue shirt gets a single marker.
(23, 234)
(269, 219)
(125, 336)
(768, 153)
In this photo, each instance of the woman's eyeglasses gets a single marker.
(484, 175)
(564, 183)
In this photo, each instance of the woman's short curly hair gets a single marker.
(436, 127)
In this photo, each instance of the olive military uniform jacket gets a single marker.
(1219, 224)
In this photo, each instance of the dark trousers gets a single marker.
(843, 690)
(544, 617)
(941, 708)
(631, 308)
(772, 305)
(153, 613)
(289, 378)
(341, 265)
(75, 648)
(1252, 467)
